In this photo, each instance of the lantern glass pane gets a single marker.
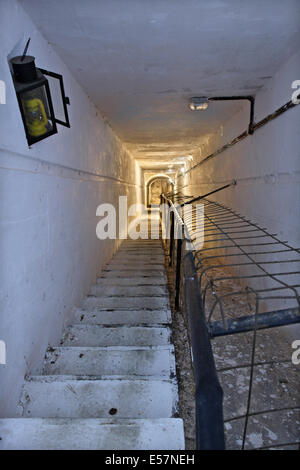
(36, 112)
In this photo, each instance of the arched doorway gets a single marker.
(156, 186)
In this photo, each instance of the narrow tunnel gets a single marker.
(149, 225)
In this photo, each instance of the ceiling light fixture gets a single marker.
(200, 103)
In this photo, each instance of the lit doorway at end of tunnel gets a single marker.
(156, 187)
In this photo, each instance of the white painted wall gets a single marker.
(49, 194)
(266, 165)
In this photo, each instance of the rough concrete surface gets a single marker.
(275, 399)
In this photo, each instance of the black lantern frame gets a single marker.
(34, 99)
(65, 99)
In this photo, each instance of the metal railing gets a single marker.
(240, 264)
(208, 392)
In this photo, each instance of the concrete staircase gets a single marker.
(111, 382)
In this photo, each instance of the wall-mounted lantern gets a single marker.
(34, 98)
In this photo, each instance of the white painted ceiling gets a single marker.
(141, 60)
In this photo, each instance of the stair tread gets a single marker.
(129, 291)
(159, 273)
(51, 378)
(117, 348)
(130, 303)
(127, 267)
(130, 281)
(126, 335)
(74, 397)
(129, 317)
(89, 434)
(126, 361)
(137, 260)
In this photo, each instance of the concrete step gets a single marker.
(143, 250)
(126, 303)
(129, 291)
(130, 281)
(72, 397)
(140, 252)
(138, 258)
(125, 263)
(96, 335)
(141, 243)
(111, 273)
(91, 434)
(144, 245)
(130, 252)
(123, 317)
(128, 267)
(122, 360)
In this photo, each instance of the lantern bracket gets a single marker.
(65, 99)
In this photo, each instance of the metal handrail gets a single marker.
(208, 391)
(231, 241)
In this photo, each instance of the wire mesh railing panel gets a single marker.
(249, 284)
(240, 262)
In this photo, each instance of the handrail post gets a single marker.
(172, 231)
(178, 265)
(161, 219)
